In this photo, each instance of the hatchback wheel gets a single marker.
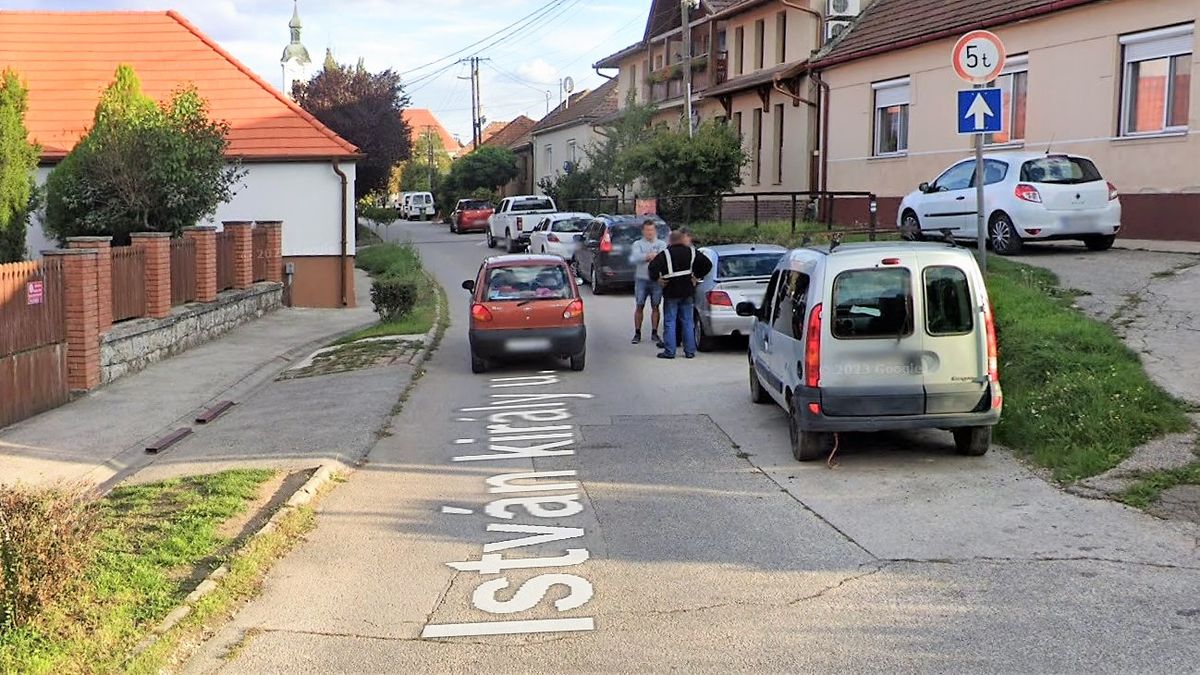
(910, 227)
(1100, 243)
(579, 361)
(478, 365)
(973, 441)
(1004, 237)
(807, 446)
(597, 287)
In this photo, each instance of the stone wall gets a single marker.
(132, 346)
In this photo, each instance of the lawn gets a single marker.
(775, 232)
(154, 543)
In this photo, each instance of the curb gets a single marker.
(301, 497)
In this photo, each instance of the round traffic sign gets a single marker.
(979, 57)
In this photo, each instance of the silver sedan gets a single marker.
(740, 273)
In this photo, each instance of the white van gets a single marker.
(417, 206)
(873, 337)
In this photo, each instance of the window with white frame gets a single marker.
(1156, 82)
(572, 157)
(1014, 83)
(549, 160)
(891, 116)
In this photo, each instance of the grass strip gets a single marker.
(154, 541)
(1149, 487)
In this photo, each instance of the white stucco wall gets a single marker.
(306, 196)
(559, 139)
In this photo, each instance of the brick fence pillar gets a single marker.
(205, 239)
(103, 248)
(83, 334)
(274, 230)
(156, 252)
(243, 252)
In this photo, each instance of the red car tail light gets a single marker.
(720, 298)
(1112, 191)
(573, 310)
(606, 242)
(481, 313)
(812, 349)
(1027, 193)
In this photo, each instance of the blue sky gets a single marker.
(404, 34)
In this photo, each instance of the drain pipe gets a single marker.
(337, 168)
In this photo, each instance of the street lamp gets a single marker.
(686, 7)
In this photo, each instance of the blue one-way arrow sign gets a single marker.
(979, 111)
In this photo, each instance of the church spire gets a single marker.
(295, 61)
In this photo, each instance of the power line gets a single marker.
(548, 21)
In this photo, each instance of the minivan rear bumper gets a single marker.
(818, 421)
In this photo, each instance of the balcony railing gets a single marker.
(667, 83)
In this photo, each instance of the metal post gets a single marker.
(756, 211)
(981, 230)
(873, 205)
(685, 7)
(793, 213)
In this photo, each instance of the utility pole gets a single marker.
(476, 100)
(686, 7)
(429, 149)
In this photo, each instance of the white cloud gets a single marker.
(538, 71)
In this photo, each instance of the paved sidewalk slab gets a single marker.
(97, 437)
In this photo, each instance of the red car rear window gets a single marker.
(527, 282)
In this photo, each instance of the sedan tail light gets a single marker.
(573, 310)
(606, 242)
(481, 313)
(720, 298)
(1112, 192)
(1027, 193)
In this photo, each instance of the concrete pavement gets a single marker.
(100, 438)
(706, 548)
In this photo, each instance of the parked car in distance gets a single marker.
(559, 234)
(514, 218)
(470, 215)
(417, 206)
(740, 273)
(525, 305)
(603, 256)
(1028, 197)
(875, 337)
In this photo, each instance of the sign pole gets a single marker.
(981, 235)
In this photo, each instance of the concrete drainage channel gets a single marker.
(320, 480)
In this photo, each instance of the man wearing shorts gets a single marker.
(643, 251)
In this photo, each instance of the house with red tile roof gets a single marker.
(516, 136)
(561, 139)
(421, 119)
(298, 170)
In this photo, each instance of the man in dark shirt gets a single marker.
(677, 269)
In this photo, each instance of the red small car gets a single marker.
(525, 305)
(470, 215)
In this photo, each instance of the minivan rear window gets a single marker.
(947, 302)
(872, 303)
(527, 282)
(1060, 169)
(742, 265)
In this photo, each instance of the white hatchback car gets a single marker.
(559, 234)
(1027, 197)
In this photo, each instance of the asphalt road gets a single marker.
(686, 538)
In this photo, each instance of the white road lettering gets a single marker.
(532, 416)
(495, 563)
(530, 593)
(508, 627)
(536, 381)
(516, 452)
(541, 534)
(503, 483)
(509, 429)
(536, 506)
(456, 511)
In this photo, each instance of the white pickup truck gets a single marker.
(515, 218)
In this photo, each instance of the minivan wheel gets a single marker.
(1004, 237)
(757, 393)
(1100, 242)
(973, 441)
(704, 341)
(491, 241)
(910, 227)
(807, 446)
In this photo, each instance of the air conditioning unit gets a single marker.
(843, 8)
(834, 28)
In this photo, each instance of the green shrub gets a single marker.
(393, 297)
(47, 537)
(379, 215)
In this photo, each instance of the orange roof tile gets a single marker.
(419, 118)
(69, 58)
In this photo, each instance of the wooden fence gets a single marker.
(225, 261)
(183, 271)
(261, 256)
(128, 283)
(33, 352)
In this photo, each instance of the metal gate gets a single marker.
(33, 349)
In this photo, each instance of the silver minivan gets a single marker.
(874, 337)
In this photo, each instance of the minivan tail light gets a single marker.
(993, 360)
(1027, 193)
(481, 313)
(812, 350)
(1112, 191)
(606, 243)
(573, 310)
(720, 298)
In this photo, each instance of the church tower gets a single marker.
(297, 66)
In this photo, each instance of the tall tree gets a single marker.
(18, 161)
(365, 109)
(608, 158)
(142, 167)
(685, 173)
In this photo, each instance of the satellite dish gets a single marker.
(568, 84)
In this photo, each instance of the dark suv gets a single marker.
(603, 256)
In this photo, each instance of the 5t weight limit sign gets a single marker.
(979, 57)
